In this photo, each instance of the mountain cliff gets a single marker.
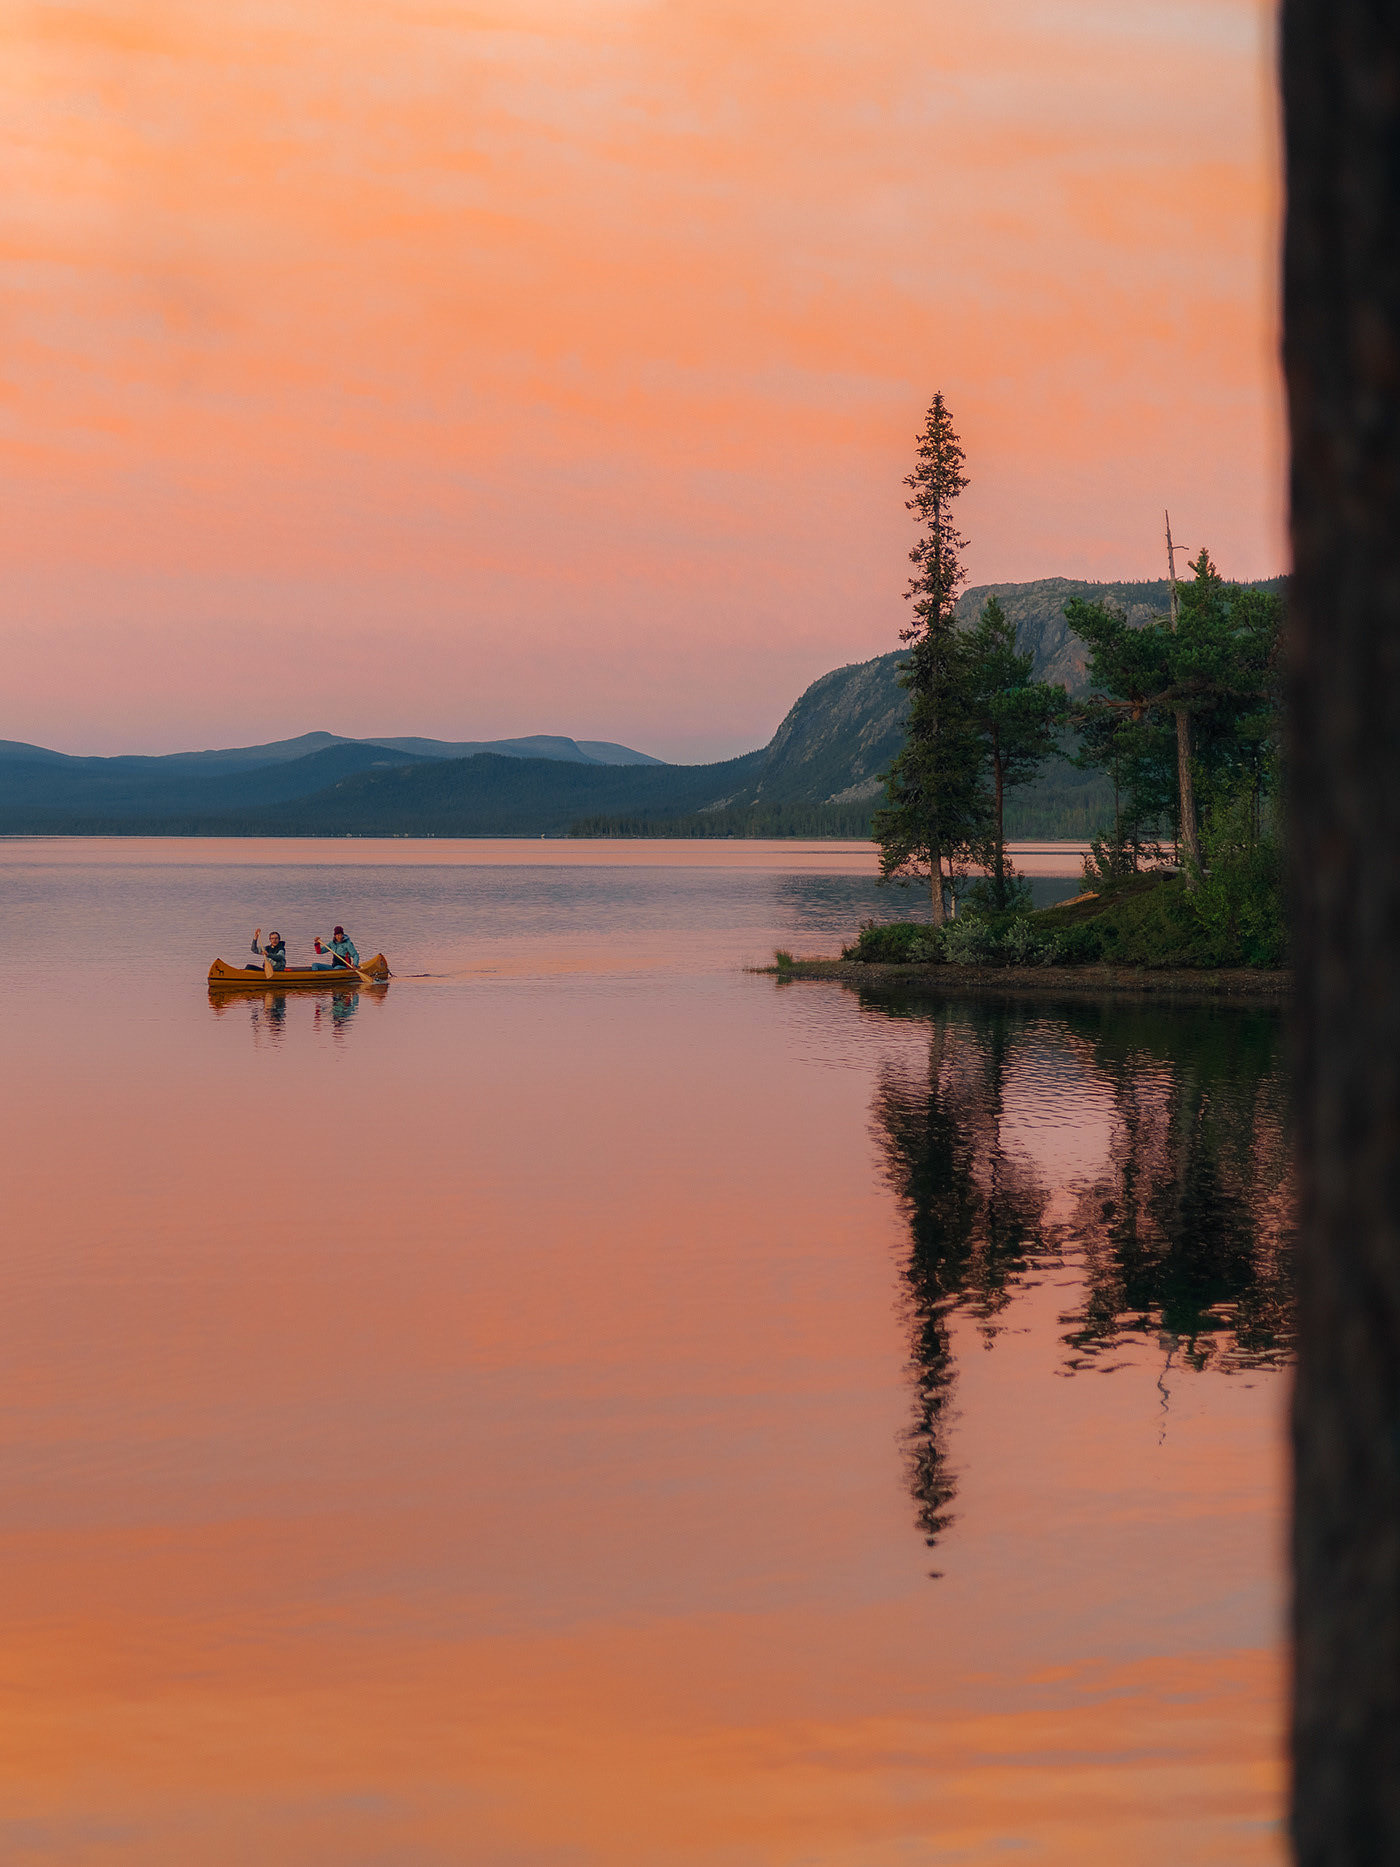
(837, 738)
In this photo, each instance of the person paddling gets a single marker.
(275, 950)
(343, 951)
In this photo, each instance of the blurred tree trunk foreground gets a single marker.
(1341, 79)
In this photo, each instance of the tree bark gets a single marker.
(1341, 75)
(1186, 789)
(1185, 780)
(935, 863)
(938, 912)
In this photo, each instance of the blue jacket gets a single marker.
(344, 950)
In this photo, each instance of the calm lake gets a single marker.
(586, 1405)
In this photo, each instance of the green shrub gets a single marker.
(1027, 942)
(981, 899)
(1233, 917)
(899, 943)
(971, 941)
(1080, 945)
(1238, 899)
(1013, 939)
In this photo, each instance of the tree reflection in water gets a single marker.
(974, 1214)
(1188, 1235)
(1183, 1238)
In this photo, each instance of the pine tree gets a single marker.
(1216, 666)
(1016, 717)
(934, 821)
(1227, 673)
(1126, 728)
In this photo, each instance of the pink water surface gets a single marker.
(469, 1424)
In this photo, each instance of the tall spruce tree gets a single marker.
(1016, 717)
(935, 817)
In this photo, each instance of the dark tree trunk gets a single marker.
(1341, 73)
(935, 861)
(1186, 788)
(1000, 853)
(938, 910)
(1189, 841)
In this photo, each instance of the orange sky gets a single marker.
(553, 365)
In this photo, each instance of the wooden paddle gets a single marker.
(268, 967)
(345, 964)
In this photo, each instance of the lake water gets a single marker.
(586, 1405)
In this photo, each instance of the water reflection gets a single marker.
(331, 1010)
(1187, 1233)
(975, 1215)
(337, 1015)
(1179, 1237)
(816, 907)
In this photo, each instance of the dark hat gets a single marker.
(340, 933)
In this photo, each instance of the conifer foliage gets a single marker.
(935, 819)
(1016, 717)
(978, 724)
(1219, 666)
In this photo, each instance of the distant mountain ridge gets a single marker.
(58, 792)
(282, 751)
(818, 775)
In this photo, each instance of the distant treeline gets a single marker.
(1061, 804)
(484, 795)
(766, 820)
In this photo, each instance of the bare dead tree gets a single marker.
(1185, 777)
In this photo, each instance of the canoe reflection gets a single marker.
(331, 1010)
(1180, 1238)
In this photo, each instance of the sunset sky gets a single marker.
(421, 366)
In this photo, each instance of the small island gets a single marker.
(1180, 713)
(1137, 933)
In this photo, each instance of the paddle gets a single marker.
(268, 968)
(345, 964)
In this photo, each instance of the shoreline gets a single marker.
(1212, 985)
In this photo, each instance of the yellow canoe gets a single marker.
(240, 978)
